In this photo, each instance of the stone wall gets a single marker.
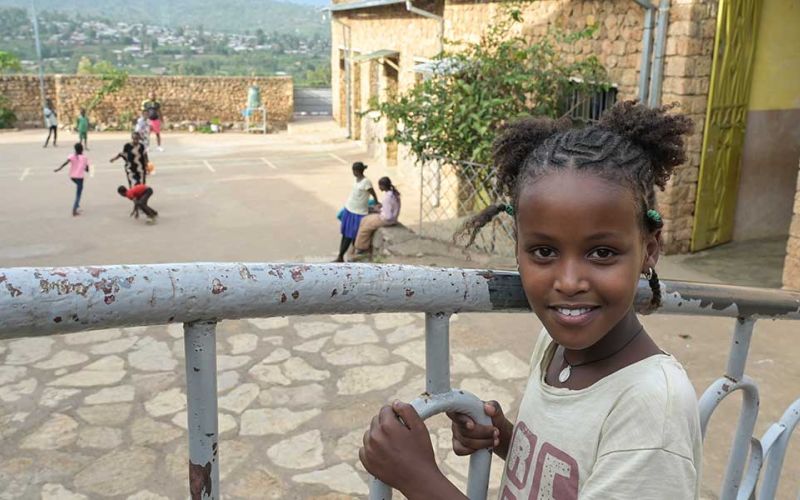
(184, 100)
(791, 264)
(617, 44)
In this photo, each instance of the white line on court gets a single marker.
(269, 164)
(24, 174)
(208, 165)
(338, 158)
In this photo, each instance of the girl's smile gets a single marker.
(581, 249)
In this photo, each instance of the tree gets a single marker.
(456, 113)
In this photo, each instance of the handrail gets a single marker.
(70, 299)
(46, 301)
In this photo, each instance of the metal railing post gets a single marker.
(740, 347)
(437, 353)
(201, 403)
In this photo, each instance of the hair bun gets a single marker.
(518, 139)
(657, 132)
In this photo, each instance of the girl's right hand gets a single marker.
(469, 437)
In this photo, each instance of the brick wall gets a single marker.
(185, 100)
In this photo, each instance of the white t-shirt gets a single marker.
(50, 119)
(634, 434)
(358, 203)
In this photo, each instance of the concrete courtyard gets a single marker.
(102, 414)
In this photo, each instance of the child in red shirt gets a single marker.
(139, 194)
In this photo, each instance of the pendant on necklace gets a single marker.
(564, 374)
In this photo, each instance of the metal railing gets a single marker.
(46, 301)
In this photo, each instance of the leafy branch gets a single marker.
(456, 112)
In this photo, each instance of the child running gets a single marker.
(134, 154)
(606, 413)
(139, 195)
(143, 129)
(82, 126)
(78, 165)
(355, 209)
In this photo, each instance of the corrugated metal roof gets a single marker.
(362, 4)
(376, 55)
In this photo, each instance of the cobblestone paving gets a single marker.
(103, 414)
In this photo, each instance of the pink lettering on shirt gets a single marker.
(555, 477)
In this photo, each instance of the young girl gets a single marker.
(388, 211)
(355, 209)
(78, 165)
(606, 413)
(51, 122)
(134, 154)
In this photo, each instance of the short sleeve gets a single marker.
(366, 184)
(653, 474)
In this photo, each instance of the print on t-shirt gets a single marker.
(555, 475)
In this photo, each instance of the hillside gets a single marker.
(235, 16)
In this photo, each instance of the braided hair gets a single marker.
(631, 144)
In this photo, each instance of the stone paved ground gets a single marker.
(103, 413)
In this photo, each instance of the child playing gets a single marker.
(387, 212)
(606, 413)
(78, 165)
(51, 122)
(82, 126)
(139, 194)
(134, 154)
(355, 209)
(143, 129)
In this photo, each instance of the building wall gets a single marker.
(617, 44)
(772, 140)
(185, 100)
(791, 265)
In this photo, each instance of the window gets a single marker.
(586, 107)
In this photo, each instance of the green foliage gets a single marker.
(9, 62)
(479, 86)
(7, 116)
(113, 80)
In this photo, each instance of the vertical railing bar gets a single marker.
(201, 403)
(437, 353)
(740, 346)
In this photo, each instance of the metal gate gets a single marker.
(726, 116)
(313, 102)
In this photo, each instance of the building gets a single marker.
(733, 66)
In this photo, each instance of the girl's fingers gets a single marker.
(476, 432)
(461, 419)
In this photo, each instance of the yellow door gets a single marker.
(726, 117)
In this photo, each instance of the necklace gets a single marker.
(564, 374)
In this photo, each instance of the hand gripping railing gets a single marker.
(45, 301)
(439, 398)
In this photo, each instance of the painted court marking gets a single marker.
(338, 158)
(208, 165)
(24, 174)
(269, 164)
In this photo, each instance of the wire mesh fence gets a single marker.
(453, 191)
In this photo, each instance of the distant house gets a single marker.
(740, 181)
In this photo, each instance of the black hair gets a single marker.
(387, 182)
(122, 190)
(78, 148)
(359, 166)
(632, 144)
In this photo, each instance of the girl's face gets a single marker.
(357, 173)
(581, 249)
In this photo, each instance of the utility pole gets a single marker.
(38, 54)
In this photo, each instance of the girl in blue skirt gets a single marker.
(356, 208)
